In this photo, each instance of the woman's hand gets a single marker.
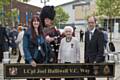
(59, 60)
(33, 63)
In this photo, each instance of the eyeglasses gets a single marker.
(91, 22)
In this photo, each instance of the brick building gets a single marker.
(25, 12)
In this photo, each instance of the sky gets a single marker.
(51, 2)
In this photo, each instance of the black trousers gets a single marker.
(19, 57)
(1, 55)
(90, 60)
(81, 39)
(14, 51)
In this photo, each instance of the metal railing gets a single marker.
(112, 57)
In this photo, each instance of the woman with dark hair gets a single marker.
(34, 44)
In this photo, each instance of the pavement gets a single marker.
(13, 59)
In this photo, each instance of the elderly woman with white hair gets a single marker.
(69, 50)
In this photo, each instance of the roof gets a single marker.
(77, 2)
(26, 4)
(68, 3)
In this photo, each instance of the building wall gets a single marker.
(93, 7)
(79, 11)
(25, 12)
(69, 10)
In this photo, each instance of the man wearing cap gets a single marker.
(52, 35)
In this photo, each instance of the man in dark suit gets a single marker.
(94, 44)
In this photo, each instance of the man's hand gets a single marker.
(49, 39)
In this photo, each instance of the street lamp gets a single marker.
(11, 6)
(44, 1)
(3, 12)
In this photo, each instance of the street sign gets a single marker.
(23, 71)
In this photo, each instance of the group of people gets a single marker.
(42, 42)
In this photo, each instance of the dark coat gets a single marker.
(4, 41)
(54, 45)
(31, 50)
(94, 48)
(12, 37)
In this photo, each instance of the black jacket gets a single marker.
(4, 41)
(94, 48)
